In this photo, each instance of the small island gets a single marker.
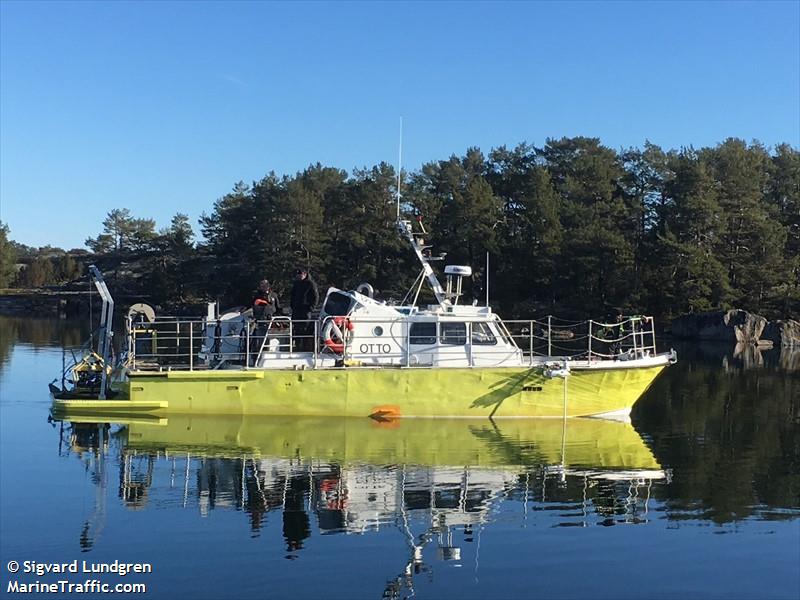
(571, 227)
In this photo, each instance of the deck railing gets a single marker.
(628, 337)
(183, 343)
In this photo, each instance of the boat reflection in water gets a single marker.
(430, 478)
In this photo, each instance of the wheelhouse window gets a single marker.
(423, 334)
(453, 334)
(338, 304)
(482, 335)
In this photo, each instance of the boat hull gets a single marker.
(382, 392)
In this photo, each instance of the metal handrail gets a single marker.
(174, 343)
(634, 336)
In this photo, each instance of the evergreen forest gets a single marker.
(572, 228)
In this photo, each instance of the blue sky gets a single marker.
(162, 107)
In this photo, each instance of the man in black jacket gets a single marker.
(304, 298)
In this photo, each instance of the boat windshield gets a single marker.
(505, 333)
(338, 304)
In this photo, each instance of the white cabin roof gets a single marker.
(369, 307)
(460, 310)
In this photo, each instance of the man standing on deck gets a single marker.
(265, 303)
(304, 298)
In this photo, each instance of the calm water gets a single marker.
(698, 498)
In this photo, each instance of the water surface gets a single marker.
(697, 498)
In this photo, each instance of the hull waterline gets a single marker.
(381, 392)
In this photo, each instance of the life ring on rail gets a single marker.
(333, 334)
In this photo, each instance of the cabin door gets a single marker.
(452, 349)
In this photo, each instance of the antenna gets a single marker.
(487, 278)
(399, 167)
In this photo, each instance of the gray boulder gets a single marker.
(784, 334)
(736, 326)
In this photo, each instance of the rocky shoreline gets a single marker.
(45, 303)
(738, 327)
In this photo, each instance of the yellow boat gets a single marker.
(381, 391)
(363, 357)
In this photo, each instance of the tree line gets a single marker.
(571, 228)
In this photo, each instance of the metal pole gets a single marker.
(530, 343)
(469, 342)
(566, 374)
(191, 347)
(487, 278)
(63, 370)
(408, 343)
(549, 336)
(633, 332)
(104, 352)
(316, 340)
(399, 167)
(344, 343)
(247, 344)
(101, 341)
(590, 340)
(564, 427)
(653, 331)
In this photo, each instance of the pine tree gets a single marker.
(597, 257)
(117, 228)
(783, 194)
(531, 237)
(8, 258)
(752, 241)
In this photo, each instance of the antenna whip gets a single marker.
(399, 167)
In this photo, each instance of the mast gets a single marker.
(399, 168)
(418, 245)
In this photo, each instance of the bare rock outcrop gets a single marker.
(783, 334)
(736, 326)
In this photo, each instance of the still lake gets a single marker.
(699, 497)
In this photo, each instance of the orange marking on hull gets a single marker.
(386, 416)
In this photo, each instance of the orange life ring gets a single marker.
(333, 334)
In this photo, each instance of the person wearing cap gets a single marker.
(265, 305)
(305, 297)
(265, 302)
